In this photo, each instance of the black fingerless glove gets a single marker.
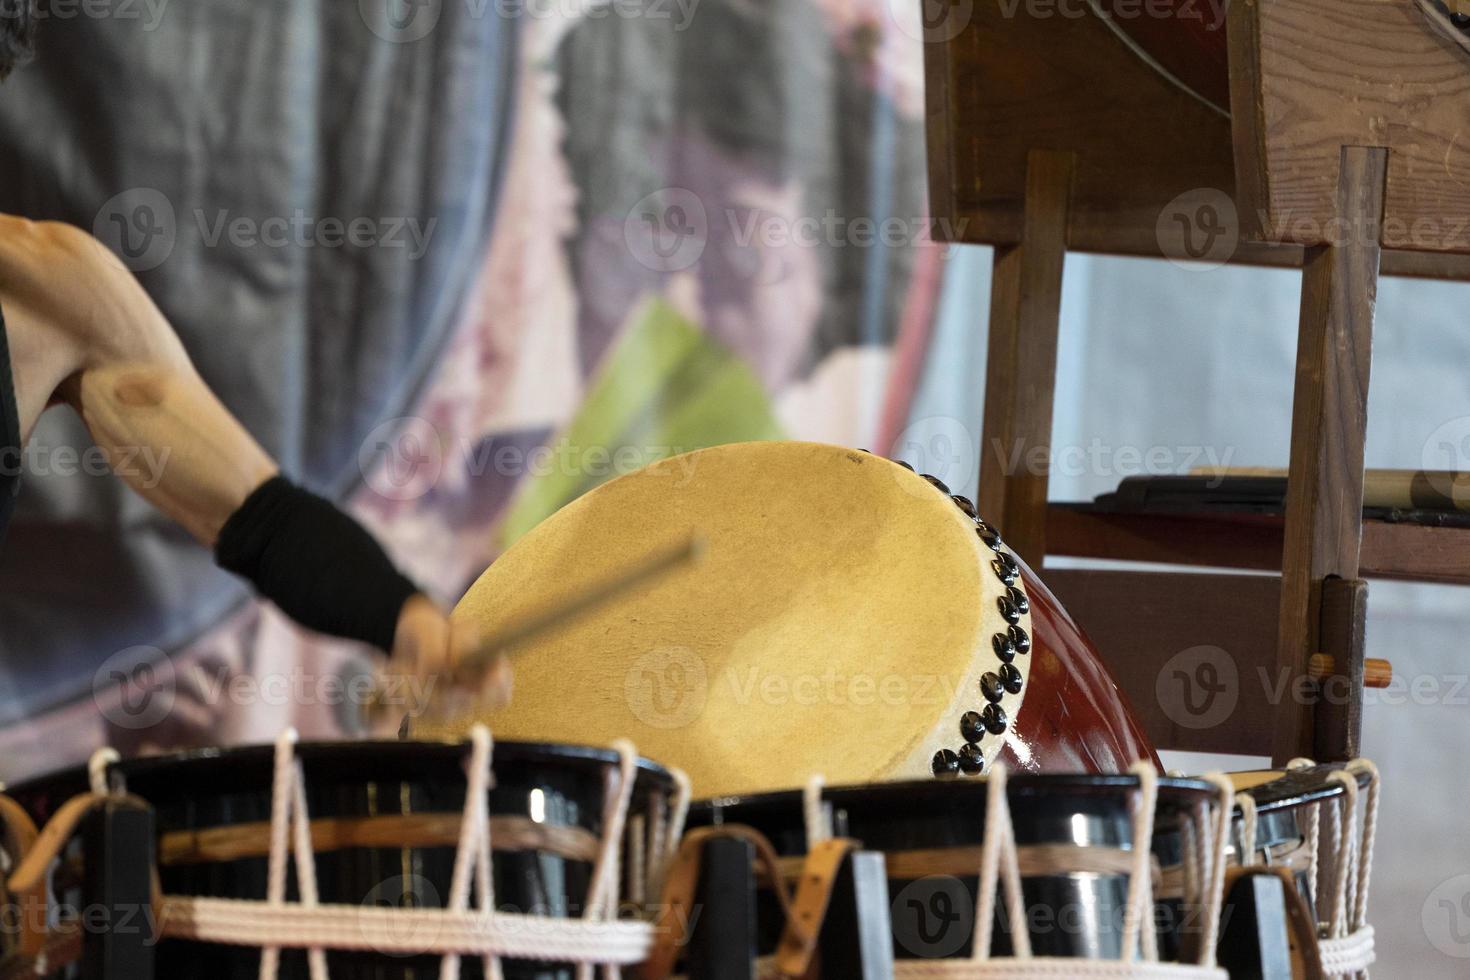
(319, 565)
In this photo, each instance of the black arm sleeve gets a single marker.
(315, 562)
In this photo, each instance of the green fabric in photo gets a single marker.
(664, 388)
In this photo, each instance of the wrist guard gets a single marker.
(321, 567)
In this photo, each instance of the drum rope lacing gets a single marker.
(999, 867)
(456, 931)
(1346, 940)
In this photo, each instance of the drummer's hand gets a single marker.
(426, 646)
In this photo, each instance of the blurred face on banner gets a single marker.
(17, 30)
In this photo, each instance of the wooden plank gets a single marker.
(1220, 540)
(1194, 653)
(1408, 552)
(1379, 77)
(1339, 717)
(1010, 84)
(1004, 85)
(938, 111)
(1324, 500)
(1247, 124)
(1021, 370)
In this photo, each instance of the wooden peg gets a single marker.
(1376, 673)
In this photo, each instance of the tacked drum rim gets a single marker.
(978, 727)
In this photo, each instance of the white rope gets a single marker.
(998, 863)
(999, 867)
(474, 847)
(97, 766)
(1311, 827)
(1370, 833)
(1349, 956)
(673, 834)
(406, 931)
(1347, 948)
(1051, 968)
(1344, 853)
(452, 932)
(602, 894)
(1214, 897)
(1140, 879)
(816, 814)
(316, 957)
(1249, 854)
(275, 889)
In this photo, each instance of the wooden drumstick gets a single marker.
(561, 612)
(1447, 490)
(471, 671)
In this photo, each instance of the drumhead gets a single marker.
(841, 621)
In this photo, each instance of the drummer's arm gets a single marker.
(117, 361)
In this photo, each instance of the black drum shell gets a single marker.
(563, 785)
(1077, 914)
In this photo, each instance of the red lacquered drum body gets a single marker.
(849, 618)
(1076, 720)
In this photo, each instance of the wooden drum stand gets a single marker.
(1339, 154)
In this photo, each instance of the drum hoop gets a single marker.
(552, 756)
(1187, 789)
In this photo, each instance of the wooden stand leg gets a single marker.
(1021, 367)
(117, 893)
(857, 938)
(1324, 500)
(722, 941)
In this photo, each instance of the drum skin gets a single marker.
(849, 619)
